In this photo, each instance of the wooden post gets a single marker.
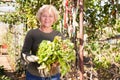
(81, 40)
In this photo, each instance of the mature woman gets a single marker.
(47, 15)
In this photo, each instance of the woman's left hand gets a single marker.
(55, 64)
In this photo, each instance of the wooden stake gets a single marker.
(81, 40)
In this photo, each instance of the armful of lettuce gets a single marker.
(61, 51)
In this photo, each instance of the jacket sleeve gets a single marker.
(28, 41)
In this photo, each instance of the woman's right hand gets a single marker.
(32, 58)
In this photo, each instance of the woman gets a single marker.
(47, 15)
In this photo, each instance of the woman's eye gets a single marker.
(50, 16)
(45, 16)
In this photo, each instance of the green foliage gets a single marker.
(103, 54)
(117, 58)
(1, 70)
(11, 18)
(4, 78)
(61, 51)
(117, 25)
(99, 16)
(2, 74)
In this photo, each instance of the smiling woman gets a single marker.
(47, 15)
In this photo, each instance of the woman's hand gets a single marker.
(55, 64)
(32, 58)
(54, 67)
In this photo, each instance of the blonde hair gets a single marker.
(49, 8)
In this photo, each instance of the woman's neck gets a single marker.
(46, 29)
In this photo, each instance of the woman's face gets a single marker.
(47, 19)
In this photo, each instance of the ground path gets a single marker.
(4, 61)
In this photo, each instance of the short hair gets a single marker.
(50, 8)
